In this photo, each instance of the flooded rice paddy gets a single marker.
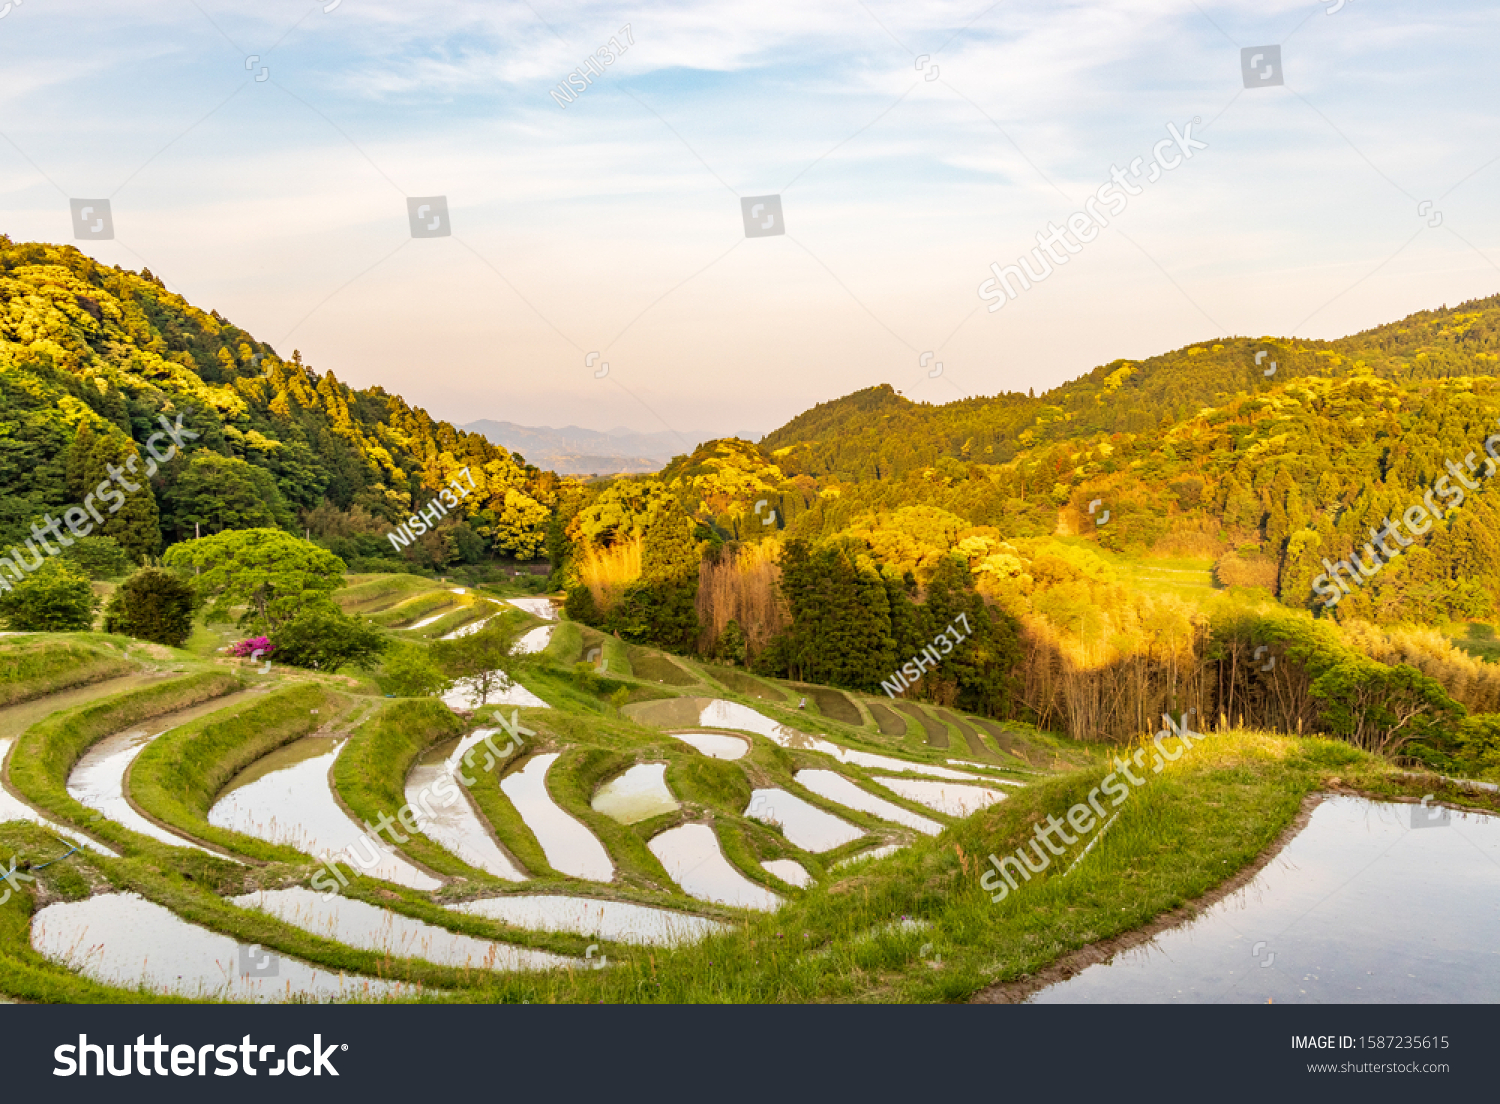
(97, 780)
(618, 921)
(454, 824)
(950, 798)
(545, 608)
(802, 823)
(536, 640)
(569, 846)
(466, 694)
(1361, 907)
(123, 939)
(789, 871)
(726, 714)
(715, 744)
(287, 797)
(637, 794)
(692, 858)
(838, 789)
(370, 928)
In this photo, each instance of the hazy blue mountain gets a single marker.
(573, 450)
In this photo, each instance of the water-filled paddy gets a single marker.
(803, 823)
(789, 871)
(123, 939)
(544, 608)
(286, 797)
(715, 744)
(362, 925)
(13, 808)
(569, 846)
(97, 780)
(466, 694)
(536, 640)
(837, 788)
(637, 794)
(1359, 908)
(726, 714)
(950, 798)
(619, 921)
(453, 822)
(692, 858)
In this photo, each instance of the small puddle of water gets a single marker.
(422, 624)
(617, 921)
(640, 793)
(569, 846)
(363, 925)
(1359, 908)
(715, 744)
(123, 939)
(835, 787)
(952, 798)
(803, 823)
(692, 858)
(286, 797)
(873, 853)
(790, 872)
(456, 825)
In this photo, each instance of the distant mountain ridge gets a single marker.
(573, 450)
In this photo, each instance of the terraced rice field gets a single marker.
(414, 850)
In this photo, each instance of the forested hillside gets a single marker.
(91, 356)
(1128, 544)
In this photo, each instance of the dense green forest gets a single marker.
(92, 356)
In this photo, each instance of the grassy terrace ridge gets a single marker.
(415, 609)
(177, 777)
(381, 592)
(370, 776)
(42, 758)
(35, 668)
(566, 643)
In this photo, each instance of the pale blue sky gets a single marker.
(615, 225)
